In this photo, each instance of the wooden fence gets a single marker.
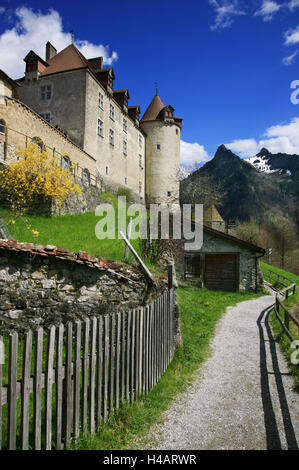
(58, 384)
(285, 287)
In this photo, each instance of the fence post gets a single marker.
(170, 276)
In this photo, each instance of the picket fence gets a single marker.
(62, 383)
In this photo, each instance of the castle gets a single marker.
(67, 103)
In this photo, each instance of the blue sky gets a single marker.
(225, 65)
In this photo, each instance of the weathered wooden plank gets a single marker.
(144, 350)
(112, 363)
(77, 379)
(92, 373)
(106, 364)
(143, 266)
(2, 354)
(128, 362)
(155, 308)
(59, 387)
(118, 358)
(27, 352)
(133, 364)
(85, 375)
(99, 371)
(49, 388)
(38, 388)
(123, 355)
(68, 384)
(12, 390)
(137, 358)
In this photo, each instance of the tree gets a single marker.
(36, 174)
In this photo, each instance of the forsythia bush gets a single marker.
(35, 174)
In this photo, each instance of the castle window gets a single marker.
(107, 170)
(126, 180)
(169, 193)
(140, 141)
(85, 176)
(177, 132)
(140, 187)
(101, 101)
(100, 128)
(140, 161)
(111, 136)
(2, 126)
(65, 162)
(38, 142)
(46, 116)
(158, 147)
(125, 148)
(111, 112)
(45, 92)
(125, 125)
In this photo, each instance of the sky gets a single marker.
(230, 68)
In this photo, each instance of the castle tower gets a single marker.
(163, 132)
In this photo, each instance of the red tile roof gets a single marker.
(69, 58)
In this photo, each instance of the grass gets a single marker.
(73, 232)
(200, 310)
(279, 333)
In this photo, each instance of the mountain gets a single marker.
(239, 190)
(280, 163)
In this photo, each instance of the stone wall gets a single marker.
(46, 285)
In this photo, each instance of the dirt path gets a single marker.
(243, 396)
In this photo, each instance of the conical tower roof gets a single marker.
(153, 110)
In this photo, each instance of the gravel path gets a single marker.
(243, 396)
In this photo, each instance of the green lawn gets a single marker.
(199, 312)
(73, 232)
(279, 333)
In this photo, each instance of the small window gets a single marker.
(107, 170)
(46, 116)
(169, 193)
(140, 141)
(111, 112)
(111, 136)
(100, 128)
(126, 180)
(125, 148)
(177, 132)
(101, 101)
(38, 142)
(46, 92)
(158, 147)
(140, 161)
(125, 125)
(2, 126)
(85, 176)
(65, 162)
(140, 187)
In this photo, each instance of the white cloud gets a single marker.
(268, 10)
(292, 36)
(282, 138)
(32, 31)
(225, 11)
(192, 154)
(290, 59)
(244, 147)
(2, 9)
(293, 4)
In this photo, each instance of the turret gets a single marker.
(163, 132)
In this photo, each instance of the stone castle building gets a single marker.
(70, 98)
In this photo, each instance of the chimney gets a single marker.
(50, 51)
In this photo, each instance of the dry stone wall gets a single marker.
(46, 285)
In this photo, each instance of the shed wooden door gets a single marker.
(220, 272)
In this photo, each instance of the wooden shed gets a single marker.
(224, 262)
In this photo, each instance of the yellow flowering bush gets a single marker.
(35, 174)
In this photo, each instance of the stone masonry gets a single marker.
(41, 286)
